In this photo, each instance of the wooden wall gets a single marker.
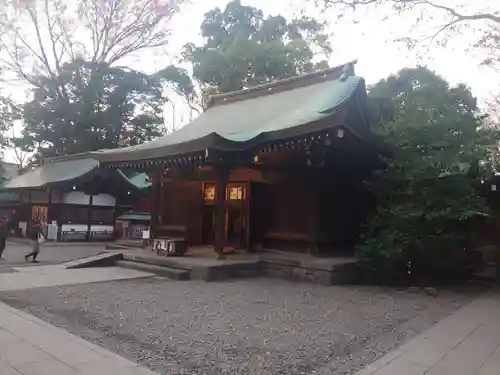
(287, 210)
(181, 209)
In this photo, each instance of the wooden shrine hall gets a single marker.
(278, 166)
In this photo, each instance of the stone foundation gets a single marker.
(323, 271)
(297, 267)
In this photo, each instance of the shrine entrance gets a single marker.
(236, 208)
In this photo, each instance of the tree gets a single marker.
(102, 107)
(431, 186)
(9, 114)
(243, 48)
(178, 83)
(39, 36)
(444, 19)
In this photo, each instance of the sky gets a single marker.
(366, 36)
(370, 40)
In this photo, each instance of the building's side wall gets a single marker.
(180, 209)
(282, 210)
(288, 215)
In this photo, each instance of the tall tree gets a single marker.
(431, 186)
(243, 48)
(10, 116)
(442, 20)
(102, 107)
(37, 37)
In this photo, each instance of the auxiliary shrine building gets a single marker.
(78, 200)
(278, 166)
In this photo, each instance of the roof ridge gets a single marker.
(290, 83)
(70, 157)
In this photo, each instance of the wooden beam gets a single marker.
(89, 216)
(314, 218)
(155, 207)
(220, 211)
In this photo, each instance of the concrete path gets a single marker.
(465, 343)
(30, 346)
(15, 251)
(42, 276)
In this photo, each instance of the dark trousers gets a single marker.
(36, 249)
(3, 239)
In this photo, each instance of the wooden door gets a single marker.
(208, 228)
(236, 215)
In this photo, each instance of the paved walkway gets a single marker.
(49, 253)
(30, 346)
(465, 343)
(43, 276)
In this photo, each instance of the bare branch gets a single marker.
(44, 34)
(448, 20)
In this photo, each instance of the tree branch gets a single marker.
(405, 4)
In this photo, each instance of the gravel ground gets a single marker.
(254, 326)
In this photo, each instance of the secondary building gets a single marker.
(79, 200)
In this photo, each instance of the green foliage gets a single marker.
(430, 188)
(243, 48)
(92, 106)
(9, 114)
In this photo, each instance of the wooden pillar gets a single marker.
(49, 210)
(220, 212)
(155, 206)
(31, 208)
(315, 215)
(246, 205)
(89, 216)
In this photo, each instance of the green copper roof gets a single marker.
(140, 180)
(239, 120)
(49, 173)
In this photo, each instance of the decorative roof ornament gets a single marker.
(347, 70)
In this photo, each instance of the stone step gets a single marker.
(125, 245)
(170, 273)
(136, 244)
(162, 261)
(489, 272)
(105, 259)
(116, 246)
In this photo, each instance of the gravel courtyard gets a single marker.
(254, 326)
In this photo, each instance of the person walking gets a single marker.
(35, 232)
(4, 228)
